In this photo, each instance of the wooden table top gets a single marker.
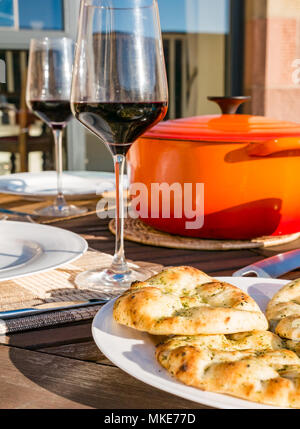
(61, 367)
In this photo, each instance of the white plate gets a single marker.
(134, 351)
(44, 184)
(27, 248)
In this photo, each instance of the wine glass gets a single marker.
(48, 97)
(119, 91)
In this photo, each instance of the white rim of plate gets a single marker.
(50, 266)
(93, 176)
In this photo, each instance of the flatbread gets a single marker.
(283, 311)
(251, 366)
(186, 301)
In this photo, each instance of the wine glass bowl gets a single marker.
(48, 97)
(119, 91)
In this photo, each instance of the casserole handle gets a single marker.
(229, 105)
(273, 146)
(273, 267)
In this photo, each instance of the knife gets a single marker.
(16, 213)
(46, 308)
(272, 267)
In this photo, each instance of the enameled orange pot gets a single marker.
(249, 165)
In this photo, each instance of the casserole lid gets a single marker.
(227, 127)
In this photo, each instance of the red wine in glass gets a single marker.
(119, 124)
(48, 96)
(56, 113)
(119, 91)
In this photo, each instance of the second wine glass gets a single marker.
(48, 96)
(119, 91)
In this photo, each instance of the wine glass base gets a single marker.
(64, 211)
(108, 283)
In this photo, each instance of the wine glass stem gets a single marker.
(58, 135)
(119, 264)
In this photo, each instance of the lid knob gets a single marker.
(229, 105)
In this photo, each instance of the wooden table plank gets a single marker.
(50, 337)
(99, 238)
(38, 380)
(18, 390)
(86, 351)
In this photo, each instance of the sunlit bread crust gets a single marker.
(186, 301)
(251, 366)
(283, 311)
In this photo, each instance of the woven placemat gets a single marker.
(137, 231)
(56, 286)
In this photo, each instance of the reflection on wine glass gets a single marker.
(48, 96)
(119, 91)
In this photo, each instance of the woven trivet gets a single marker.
(137, 231)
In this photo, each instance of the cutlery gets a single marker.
(272, 267)
(46, 308)
(16, 213)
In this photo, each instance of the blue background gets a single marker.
(48, 12)
(6, 13)
(182, 16)
(194, 16)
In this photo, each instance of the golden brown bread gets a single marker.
(293, 345)
(185, 301)
(283, 311)
(252, 366)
